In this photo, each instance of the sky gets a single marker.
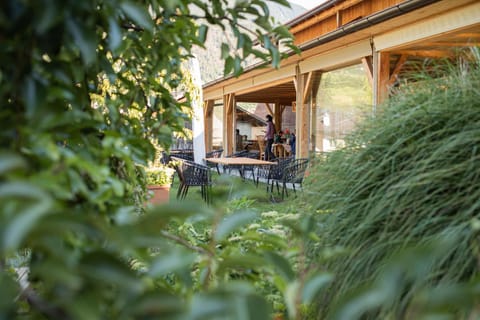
(308, 4)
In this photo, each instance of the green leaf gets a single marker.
(159, 304)
(206, 306)
(58, 272)
(202, 33)
(233, 222)
(104, 267)
(245, 261)
(237, 69)
(171, 262)
(257, 307)
(35, 204)
(283, 32)
(314, 285)
(138, 14)
(229, 62)
(275, 57)
(8, 294)
(291, 294)
(47, 16)
(31, 95)
(281, 264)
(10, 161)
(225, 53)
(114, 34)
(85, 39)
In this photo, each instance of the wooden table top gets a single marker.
(239, 161)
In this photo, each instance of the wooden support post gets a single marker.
(269, 108)
(313, 128)
(277, 116)
(229, 123)
(302, 121)
(382, 77)
(208, 124)
(316, 142)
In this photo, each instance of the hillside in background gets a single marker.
(211, 66)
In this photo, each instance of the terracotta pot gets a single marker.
(161, 194)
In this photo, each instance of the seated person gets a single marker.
(292, 143)
(278, 138)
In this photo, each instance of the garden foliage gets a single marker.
(86, 92)
(405, 184)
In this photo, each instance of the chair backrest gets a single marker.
(276, 171)
(178, 166)
(261, 144)
(165, 158)
(242, 153)
(195, 174)
(214, 154)
(251, 155)
(295, 171)
(186, 154)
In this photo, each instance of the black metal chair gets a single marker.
(293, 173)
(192, 174)
(273, 173)
(165, 158)
(214, 154)
(186, 154)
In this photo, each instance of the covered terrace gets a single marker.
(388, 39)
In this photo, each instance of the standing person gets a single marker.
(269, 135)
(238, 140)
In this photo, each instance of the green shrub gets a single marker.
(406, 178)
(88, 90)
(161, 175)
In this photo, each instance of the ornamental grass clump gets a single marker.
(405, 179)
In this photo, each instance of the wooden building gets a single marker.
(388, 38)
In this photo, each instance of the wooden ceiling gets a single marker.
(425, 56)
(282, 93)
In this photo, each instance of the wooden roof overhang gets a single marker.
(261, 84)
(401, 35)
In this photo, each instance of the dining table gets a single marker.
(240, 162)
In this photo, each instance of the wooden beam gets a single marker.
(368, 67)
(393, 75)
(317, 79)
(307, 86)
(451, 44)
(208, 124)
(383, 76)
(426, 53)
(229, 123)
(269, 108)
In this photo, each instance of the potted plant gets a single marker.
(159, 179)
